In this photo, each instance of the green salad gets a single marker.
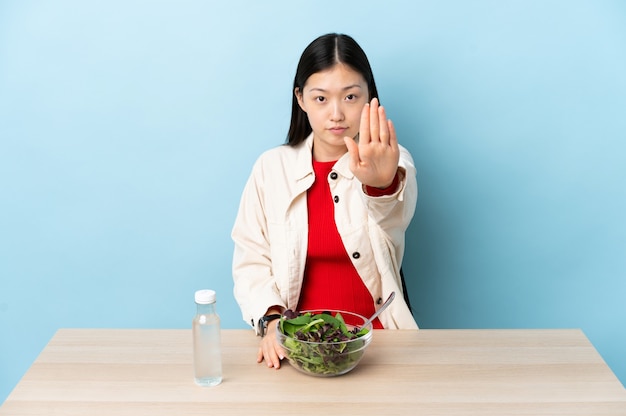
(317, 342)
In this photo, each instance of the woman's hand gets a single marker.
(374, 159)
(270, 350)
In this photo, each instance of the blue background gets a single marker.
(128, 129)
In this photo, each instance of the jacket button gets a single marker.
(379, 301)
(336, 199)
(333, 175)
(356, 255)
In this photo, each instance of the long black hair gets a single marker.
(323, 53)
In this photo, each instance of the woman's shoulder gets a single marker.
(283, 150)
(282, 165)
(283, 156)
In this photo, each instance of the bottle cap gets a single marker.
(205, 296)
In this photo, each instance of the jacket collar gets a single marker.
(343, 166)
(304, 166)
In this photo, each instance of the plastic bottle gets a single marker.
(207, 357)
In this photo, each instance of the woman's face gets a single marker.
(333, 100)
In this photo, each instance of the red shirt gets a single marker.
(330, 279)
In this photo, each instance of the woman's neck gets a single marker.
(328, 154)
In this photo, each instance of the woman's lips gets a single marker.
(339, 131)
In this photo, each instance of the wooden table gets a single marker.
(430, 372)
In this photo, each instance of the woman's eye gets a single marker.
(320, 99)
(351, 97)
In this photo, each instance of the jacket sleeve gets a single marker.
(393, 213)
(254, 286)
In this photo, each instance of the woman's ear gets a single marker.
(298, 93)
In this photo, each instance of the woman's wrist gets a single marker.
(271, 326)
(388, 190)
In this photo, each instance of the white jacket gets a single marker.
(271, 232)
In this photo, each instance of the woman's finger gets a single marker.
(374, 121)
(393, 138)
(384, 133)
(364, 129)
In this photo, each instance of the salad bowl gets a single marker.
(323, 343)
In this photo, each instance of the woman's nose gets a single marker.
(336, 112)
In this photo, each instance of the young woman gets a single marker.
(322, 218)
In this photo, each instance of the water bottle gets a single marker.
(207, 357)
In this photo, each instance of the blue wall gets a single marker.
(128, 129)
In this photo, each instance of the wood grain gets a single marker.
(429, 372)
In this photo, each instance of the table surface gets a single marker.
(406, 372)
